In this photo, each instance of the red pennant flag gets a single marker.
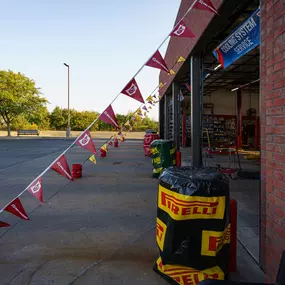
(157, 61)
(62, 168)
(188, 86)
(110, 143)
(182, 31)
(132, 90)
(205, 5)
(85, 141)
(3, 224)
(144, 108)
(109, 117)
(36, 189)
(16, 208)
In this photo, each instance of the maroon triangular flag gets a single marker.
(61, 167)
(182, 31)
(37, 189)
(16, 208)
(144, 108)
(85, 141)
(157, 61)
(132, 90)
(205, 5)
(110, 143)
(109, 117)
(3, 224)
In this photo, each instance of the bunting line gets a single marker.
(58, 164)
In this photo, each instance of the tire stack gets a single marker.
(193, 225)
(163, 155)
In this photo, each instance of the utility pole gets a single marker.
(68, 130)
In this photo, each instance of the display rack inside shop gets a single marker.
(221, 130)
(186, 130)
(171, 119)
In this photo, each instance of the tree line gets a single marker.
(23, 107)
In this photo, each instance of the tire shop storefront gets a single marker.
(241, 106)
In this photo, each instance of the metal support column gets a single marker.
(161, 117)
(196, 109)
(239, 119)
(176, 115)
(166, 117)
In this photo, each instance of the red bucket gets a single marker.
(116, 143)
(103, 153)
(76, 171)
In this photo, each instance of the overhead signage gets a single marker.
(242, 40)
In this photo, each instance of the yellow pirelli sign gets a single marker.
(154, 150)
(212, 242)
(182, 207)
(156, 160)
(188, 276)
(160, 233)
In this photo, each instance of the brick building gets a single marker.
(249, 93)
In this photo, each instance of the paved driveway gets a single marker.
(96, 230)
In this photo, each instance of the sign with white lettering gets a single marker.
(242, 40)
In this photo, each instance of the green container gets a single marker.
(162, 153)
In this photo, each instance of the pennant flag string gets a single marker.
(16, 208)
(36, 189)
(132, 90)
(3, 224)
(182, 31)
(92, 158)
(205, 3)
(85, 141)
(62, 168)
(109, 117)
(181, 59)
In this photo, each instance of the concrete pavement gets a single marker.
(96, 230)
(102, 224)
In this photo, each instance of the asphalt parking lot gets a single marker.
(96, 230)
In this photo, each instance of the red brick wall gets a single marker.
(197, 21)
(272, 135)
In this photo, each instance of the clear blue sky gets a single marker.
(104, 42)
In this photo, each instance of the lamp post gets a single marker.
(68, 130)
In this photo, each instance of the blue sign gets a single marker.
(242, 40)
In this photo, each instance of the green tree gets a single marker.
(41, 118)
(18, 96)
(57, 119)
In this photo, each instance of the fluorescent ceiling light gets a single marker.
(207, 75)
(217, 67)
(235, 89)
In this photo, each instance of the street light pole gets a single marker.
(68, 130)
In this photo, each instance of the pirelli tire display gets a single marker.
(163, 155)
(193, 225)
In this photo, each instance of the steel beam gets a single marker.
(161, 117)
(166, 117)
(176, 115)
(196, 109)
